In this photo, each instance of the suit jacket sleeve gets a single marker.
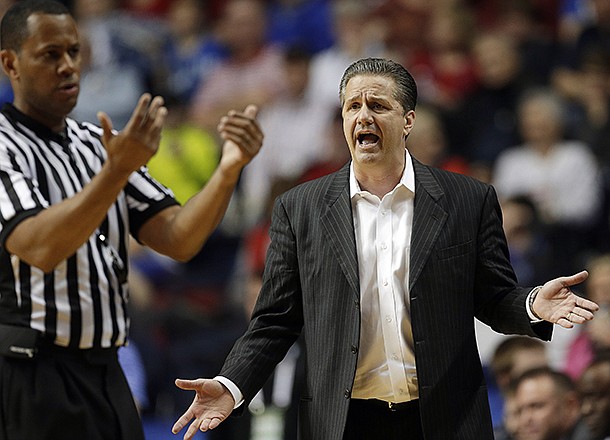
(277, 318)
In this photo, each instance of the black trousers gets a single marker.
(68, 395)
(374, 420)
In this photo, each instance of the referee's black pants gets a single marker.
(68, 395)
(373, 420)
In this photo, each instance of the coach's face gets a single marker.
(45, 72)
(374, 123)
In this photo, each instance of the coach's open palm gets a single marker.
(212, 404)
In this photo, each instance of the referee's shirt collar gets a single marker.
(41, 130)
(407, 180)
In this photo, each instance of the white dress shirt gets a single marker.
(386, 360)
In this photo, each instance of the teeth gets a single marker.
(367, 138)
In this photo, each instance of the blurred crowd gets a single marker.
(515, 93)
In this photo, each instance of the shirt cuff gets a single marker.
(529, 300)
(233, 389)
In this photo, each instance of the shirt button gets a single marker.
(385, 282)
(395, 356)
(384, 246)
(388, 318)
(384, 212)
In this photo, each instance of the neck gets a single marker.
(379, 181)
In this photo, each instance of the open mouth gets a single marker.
(366, 139)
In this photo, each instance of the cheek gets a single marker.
(348, 131)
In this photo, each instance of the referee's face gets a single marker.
(46, 71)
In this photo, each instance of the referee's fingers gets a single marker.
(106, 124)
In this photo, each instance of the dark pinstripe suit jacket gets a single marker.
(459, 270)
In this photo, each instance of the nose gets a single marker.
(67, 64)
(365, 116)
(586, 406)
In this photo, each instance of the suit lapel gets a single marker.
(428, 219)
(338, 224)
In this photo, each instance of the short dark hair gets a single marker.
(406, 89)
(562, 382)
(503, 359)
(14, 25)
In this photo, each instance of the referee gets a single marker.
(71, 193)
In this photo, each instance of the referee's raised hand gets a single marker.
(242, 136)
(133, 146)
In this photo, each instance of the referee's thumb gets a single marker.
(251, 111)
(106, 124)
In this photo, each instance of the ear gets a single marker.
(10, 63)
(409, 122)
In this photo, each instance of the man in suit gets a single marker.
(382, 267)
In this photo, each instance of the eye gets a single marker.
(52, 54)
(74, 52)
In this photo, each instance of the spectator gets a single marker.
(125, 78)
(192, 49)
(522, 21)
(548, 407)
(444, 68)
(594, 388)
(530, 250)
(303, 23)
(593, 102)
(335, 154)
(511, 358)
(486, 123)
(560, 176)
(288, 123)
(592, 340)
(354, 39)
(428, 142)
(252, 72)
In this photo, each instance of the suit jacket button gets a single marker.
(354, 349)
(347, 394)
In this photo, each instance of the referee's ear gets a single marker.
(10, 62)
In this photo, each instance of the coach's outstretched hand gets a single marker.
(212, 404)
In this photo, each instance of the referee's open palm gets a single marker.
(133, 146)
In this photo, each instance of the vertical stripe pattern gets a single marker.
(81, 303)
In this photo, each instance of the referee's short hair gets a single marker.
(14, 26)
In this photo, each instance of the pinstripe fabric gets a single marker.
(81, 303)
(459, 270)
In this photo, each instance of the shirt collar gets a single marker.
(42, 131)
(407, 180)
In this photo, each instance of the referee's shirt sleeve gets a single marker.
(20, 196)
(145, 198)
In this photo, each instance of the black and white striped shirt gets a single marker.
(82, 303)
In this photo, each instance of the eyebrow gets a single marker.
(370, 98)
